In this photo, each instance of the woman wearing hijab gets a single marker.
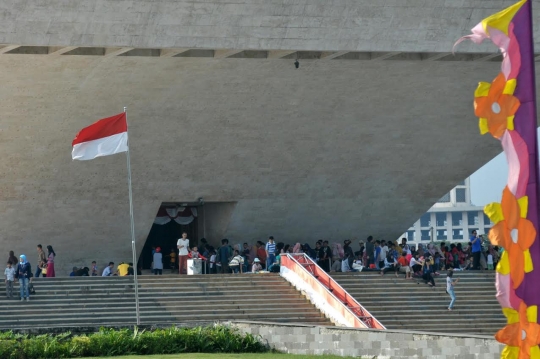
(13, 259)
(50, 262)
(24, 272)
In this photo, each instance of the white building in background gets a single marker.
(452, 218)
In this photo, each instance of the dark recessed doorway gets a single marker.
(170, 222)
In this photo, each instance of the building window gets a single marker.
(425, 220)
(457, 233)
(462, 183)
(411, 236)
(457, 218)
(486, 231)
(445, 198)
(441, 219)
(425, 235)
(460, 195)
(487, 221)
(442, 234)
(474, 218)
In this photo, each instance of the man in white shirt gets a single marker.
(183, 251)
(384, 251)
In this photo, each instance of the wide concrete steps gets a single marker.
(412, 305)
(110, 301)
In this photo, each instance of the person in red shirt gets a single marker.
(261, 253)
(404, 265)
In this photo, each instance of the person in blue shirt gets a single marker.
(476, 249)
(377, 254)
(270, 252)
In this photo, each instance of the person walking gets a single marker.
(450, 283)
(42, 257)
(476, 244)
(50, 262)
(24, 272)
(183, 251)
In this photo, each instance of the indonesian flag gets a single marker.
(103, 138)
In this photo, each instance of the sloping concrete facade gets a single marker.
(335, 149)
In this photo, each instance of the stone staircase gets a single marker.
(412, 305)
(164, 300)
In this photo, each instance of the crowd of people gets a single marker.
(382, 256)
(423, 261)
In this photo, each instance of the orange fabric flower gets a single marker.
(522, 334)
(496, 106)
(516, 235)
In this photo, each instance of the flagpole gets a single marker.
(134, 252)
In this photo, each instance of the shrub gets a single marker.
(110, 342)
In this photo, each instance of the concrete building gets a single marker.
(451, 219)
(373, 127)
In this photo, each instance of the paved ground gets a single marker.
(226, 356)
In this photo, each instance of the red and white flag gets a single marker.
(103, 138)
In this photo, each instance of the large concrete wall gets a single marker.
(321, 25)
(335, 149)
(332, 150)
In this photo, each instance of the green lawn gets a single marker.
(224, 356)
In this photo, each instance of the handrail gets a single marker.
(322, 285)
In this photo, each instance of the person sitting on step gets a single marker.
(82, 272)
(108, 271)
(427, 269)
(404, 265)
(122, 269)
(390, 264)
(416, 265)
(257, 267)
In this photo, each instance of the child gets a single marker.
(9, 273)
(257, 267)
(158, 262)
(490, 261)
(212, 261)
(236, 263)
(194, 252)
(450, 288)
(94, 269)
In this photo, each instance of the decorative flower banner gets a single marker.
(507, 110)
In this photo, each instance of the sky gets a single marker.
(488, 182)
